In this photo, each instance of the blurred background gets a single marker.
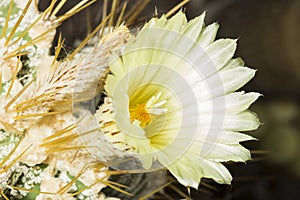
(268, 33)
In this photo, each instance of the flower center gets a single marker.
(140, 113)
(144, 112)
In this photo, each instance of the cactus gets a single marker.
(41, 153)
(58, 142)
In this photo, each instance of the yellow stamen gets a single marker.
(140, 113)
(144, 112)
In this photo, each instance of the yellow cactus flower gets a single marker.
(174, 102)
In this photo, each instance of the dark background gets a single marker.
(268, 33)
